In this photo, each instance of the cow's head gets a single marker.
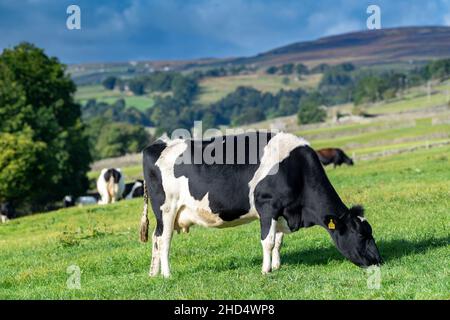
(352, 235)
(349, 161)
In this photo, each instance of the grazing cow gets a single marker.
(276, 178)
(110, 185)
(335, 156)
(134, 189)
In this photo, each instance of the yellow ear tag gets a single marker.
(331, 225)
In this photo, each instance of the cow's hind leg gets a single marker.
(156, 258)
(276, 261)
(169, 212)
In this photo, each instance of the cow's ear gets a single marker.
(333, 223)
(357, 211)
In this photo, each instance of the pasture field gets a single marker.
(407, 201)
(213, 89)
(98, 92)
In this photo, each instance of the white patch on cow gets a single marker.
(362, 218)
(278, 149)
(3, 219)
(136, 185)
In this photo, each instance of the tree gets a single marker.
(271, 70)
(287, 68)
(301, 69)
(311, 110)
(368, 89)
(137, 87)
(109, 83)
(42, 128)
(117, 139)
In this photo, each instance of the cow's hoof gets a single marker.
(265, 271)
(153, 273)
(275, 266)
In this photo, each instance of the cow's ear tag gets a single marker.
(331, 225)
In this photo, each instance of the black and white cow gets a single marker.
(110, 185)
(7, 212)
(134, 189)
(276, 178)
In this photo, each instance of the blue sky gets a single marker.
(184, 29)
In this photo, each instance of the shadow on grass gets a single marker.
(390, 250)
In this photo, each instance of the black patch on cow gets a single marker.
(7, 209)
(300, 192)
(116, 175)
(153, 180)
(137, 192)
(227, 182)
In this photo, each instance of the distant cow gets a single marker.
(70, 201)
(110, 185)
(335, 156)
(134, 189)
(7, 212)
(276, 178)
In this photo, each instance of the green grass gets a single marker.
(410, 103)
(378, 136)
(98, 92)
(407, 198)
(213, 89)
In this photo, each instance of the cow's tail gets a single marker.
(110, 187)
(144, 218)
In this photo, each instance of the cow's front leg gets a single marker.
(276, 261)
(268, 233)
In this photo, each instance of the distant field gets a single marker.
(406, 199)
(382, 136)
(408, 104)
(213, 89)
(99, 93)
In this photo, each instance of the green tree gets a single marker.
(271, 70)
(301, 69)
(137, 86)
(37, 108)
(311, 110)
(287, 68)
(109, 83)
(116, 139)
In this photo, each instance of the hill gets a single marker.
(385, 46)
(396, 45)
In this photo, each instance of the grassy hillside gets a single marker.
(98, 92)
(406, 198)
(213, 89)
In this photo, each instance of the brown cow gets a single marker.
(333, 155)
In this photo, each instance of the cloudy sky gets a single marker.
(183, 29)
